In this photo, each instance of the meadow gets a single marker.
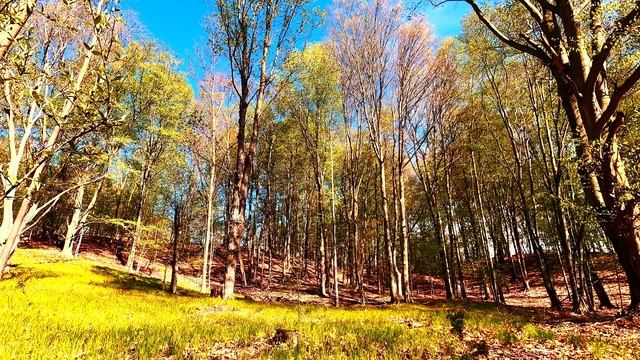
(54, 307)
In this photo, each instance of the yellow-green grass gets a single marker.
(54, 307)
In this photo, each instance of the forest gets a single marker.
(375, 191)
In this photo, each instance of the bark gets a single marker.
(177, 236)
(139, 213)
(245, 156)
(72, 227)
(210, 211)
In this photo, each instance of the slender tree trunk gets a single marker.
(80, 236)
(393, 279)
(210, 213)
(177, 232)
(334, 230)
(322, 262)
(454, 239)
(138, 229)
(442, 247)
(307, 234)
(404, 233)
(598, 286)
(483, 235)
(253, 233)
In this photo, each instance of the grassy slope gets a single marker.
(54, 307)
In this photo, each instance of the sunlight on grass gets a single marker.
(54, 307)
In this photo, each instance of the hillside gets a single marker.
(89, 307)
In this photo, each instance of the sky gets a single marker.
(181, 29)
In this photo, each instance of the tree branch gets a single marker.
(616, 97)
(533, 51)
(620, 29)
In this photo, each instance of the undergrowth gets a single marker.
(54, 307)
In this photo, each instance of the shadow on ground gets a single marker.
(121, 280)
(21, 275)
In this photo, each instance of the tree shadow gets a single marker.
(21, 275)
(122, 280)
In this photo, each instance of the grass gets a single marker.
(52, 307)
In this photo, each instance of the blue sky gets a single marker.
(179, 25)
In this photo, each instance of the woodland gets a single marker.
(379, 193)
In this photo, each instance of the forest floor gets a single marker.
(89, 307)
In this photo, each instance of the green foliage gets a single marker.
(537, 333)
(507, 336)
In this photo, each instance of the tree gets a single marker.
(158, 99)
(580, 55)
(254, 35)
(364, 37)
(413, 82)
(50, 112)
(311, 100)
(205, 143)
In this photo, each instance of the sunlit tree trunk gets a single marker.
(177, 237)
(334, 231)
(210, 211)
(8, 34)
(139, 213)
(72, 227)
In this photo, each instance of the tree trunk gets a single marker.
(598, 286)
(177, 231)
(454, 239)
(483, 235)
(245, 157)
(210, 216)
(138, 230)
(72, 227)
(404, 233)
(334, 231)
(393, 270)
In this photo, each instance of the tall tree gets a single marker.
(580, 45)
(413, 81)
(49, 112)
(311, 100)
(364, 36)
(158, 100)
(255, 35)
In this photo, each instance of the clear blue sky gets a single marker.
(179, 25)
